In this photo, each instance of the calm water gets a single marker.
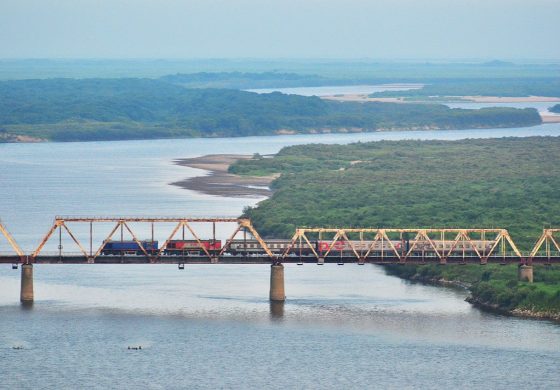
(212, 326)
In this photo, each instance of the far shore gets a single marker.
(219, 182)
(466, 99)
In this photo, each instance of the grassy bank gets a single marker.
(495, 286)
(511, 183)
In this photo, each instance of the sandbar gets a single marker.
(217, 181)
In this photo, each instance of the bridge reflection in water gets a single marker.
(184, 245)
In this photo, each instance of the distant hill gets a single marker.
(240, 80)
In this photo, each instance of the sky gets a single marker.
(374, 29)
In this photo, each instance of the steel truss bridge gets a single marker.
(364, 245)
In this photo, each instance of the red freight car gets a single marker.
(192, 247)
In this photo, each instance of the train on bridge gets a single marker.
(375, 245)
(242, 247)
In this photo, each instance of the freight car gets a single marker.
(192, 247)
(402, 246)
(252, 247)
(129, 247)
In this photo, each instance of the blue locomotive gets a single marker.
(129, 247)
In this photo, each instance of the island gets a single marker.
(123, 109)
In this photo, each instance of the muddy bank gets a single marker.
(221, 183)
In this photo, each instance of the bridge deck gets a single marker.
(263, 259)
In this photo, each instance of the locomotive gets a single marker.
(192, 247)
(129, 247)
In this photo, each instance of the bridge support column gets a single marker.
(277, 293)
(26, 292)
(525, 273)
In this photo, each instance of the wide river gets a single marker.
(212, 326)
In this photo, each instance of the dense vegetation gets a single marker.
(555, 109)
(481, 87)
(108, 109)
(511, 183)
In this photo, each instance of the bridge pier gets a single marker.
(26, 292)
(277, 293)
(525, 273)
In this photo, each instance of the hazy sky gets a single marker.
(379, 29)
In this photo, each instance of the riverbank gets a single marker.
(219, 182)
(493, 287)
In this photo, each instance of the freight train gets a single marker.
(278, 247)
(345, 247)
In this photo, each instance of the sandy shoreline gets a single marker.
(221, 183)
(550, 118)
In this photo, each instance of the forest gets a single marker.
(113, 109)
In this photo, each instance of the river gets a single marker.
(542, 107)
(212, 326)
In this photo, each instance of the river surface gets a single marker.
(211, 326)
(542, 107)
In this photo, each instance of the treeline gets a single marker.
(108, 109)
(482, 87)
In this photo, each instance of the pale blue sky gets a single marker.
(378, 29)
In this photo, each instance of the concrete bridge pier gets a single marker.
(277, 293)
(525, 273)
(26, 292)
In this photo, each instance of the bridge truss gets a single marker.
(13, 244)
(62, 225)
(380, 243)
(550, 240)
(375, 245)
